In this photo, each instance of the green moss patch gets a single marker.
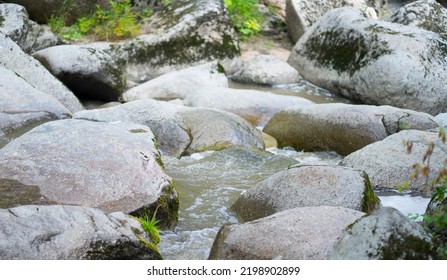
(14, 193)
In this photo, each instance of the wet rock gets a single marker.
(29, 69)
(42, 10)
(30, 36)
(389, 165)
(89, 73)
(13, 193)
(304, 233)
(178, 84)
(340, 127)
(425, 14)
(185, 32)
(301, 14)
(181, 130)
(113, 167)
(21, 104)
(254, 106)
(384, 235)
(70, 232)
(307, 186)
(266, 70)
(374, 62)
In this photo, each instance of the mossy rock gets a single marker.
(13, 193)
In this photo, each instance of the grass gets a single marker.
(245, 16)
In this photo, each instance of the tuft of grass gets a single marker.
(149, 225)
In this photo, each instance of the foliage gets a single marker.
(119, 21)
(149, 225)
(245, 15)
(436, 220)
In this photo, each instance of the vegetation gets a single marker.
(119, 21)
(245, 15)
(435, 218)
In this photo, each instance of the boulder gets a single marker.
(389, 165)
(185, 32)
(279, 7)
(374, 62)
(266, 70)
(110, 166)
(178, 84)
(42, 10)
(302, 14)
(21, 104)
(425, 14)
(307, 186)
(304, 233)
(384, 235)
(386, 8)
(340, 127)
(253, 105)
(29, 69)
(182, 130)
(15, 23)
(60, 232)
(89, 73)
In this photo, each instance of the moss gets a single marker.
(122, 249)
(2, 19)
(14, 193)
(406, 248)
(375, 28)
(370, 200)
(344, 51)
(138, 131)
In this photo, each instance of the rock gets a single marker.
(89, 73)
(302, 14)
(279, 7)
(22, 104)
(441, 119)
(384, 235)
(13, 193)
(425, 14)
(307, 186)
(31, 37)
(389, 165)
(266, 70)
(304, 233)
(70, 232)
(25, 66)
(113, 167)
(185, 32)
(178, 84)
(374, 62)
(42, 10)
(254, 106)
(385, 8)
(340, 127)
(181, 130)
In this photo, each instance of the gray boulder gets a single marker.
(21, 104)
(42, 10)
(374, 62)
(113, 167)
(384, 235)
(425, 14)
(389, 165)
(304, 233)
(302, 14)
(340, 127)
(89, 73)
(266, 70)
(253, 105)
(307, 186)
(182, 130)
(71, 233)
(185, 32)
(30, 36)
(28, 68)
(178, 84)
(386, 8)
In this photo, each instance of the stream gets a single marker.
(210, 182)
